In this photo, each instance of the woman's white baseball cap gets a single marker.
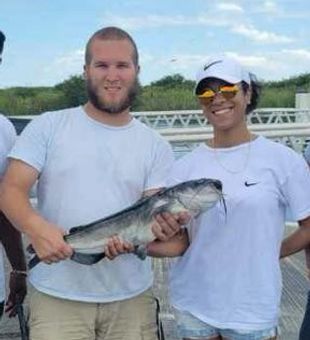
(224, 68)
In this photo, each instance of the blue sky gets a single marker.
(46, 38)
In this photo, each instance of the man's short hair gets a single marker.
(2, 39)
(111, 33)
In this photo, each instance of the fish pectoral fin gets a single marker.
(87, 259)
(141, 252)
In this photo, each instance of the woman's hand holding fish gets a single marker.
(49, 244)
(183, 217)
(116, 246)
(166, 224)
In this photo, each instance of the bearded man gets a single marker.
(90, 161)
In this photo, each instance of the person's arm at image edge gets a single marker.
(298, 240)
(12, 242)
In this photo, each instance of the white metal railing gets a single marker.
(294, 135)
(195, 118)
(185, 129)
(268, 130)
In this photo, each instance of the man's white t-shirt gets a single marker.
(230, 276)
(89, 170)
(7, 139)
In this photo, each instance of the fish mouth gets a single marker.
(217, 186)
(214, 188)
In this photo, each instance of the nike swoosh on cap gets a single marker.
(209, 65)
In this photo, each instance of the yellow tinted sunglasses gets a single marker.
(227, 91)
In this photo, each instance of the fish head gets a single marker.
(199, 194)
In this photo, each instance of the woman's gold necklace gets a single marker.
(246, 160)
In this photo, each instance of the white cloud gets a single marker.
(212, 20)
(248, 60)
(150, 21)
(298, 53)
(270, 7)
(71, 59)
(260, 36)
(225, 6)
(278, 65)
(217, 19)
(65, 66)
(147, 21)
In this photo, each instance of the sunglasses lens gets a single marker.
(229, 91)
(207, 94)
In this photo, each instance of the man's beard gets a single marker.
(111, 108)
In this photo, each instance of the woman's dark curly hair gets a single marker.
(256, 91)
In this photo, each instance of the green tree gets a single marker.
(74, 90)
(175, 80)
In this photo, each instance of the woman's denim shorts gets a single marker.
(189, 326)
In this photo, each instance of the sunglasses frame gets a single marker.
(227, 94)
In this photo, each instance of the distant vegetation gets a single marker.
(282, 93)
(172, 92)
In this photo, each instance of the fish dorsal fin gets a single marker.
(141, 200)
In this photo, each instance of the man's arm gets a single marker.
(46, 238)
(12, 243)
(176, 246)
(298, 240)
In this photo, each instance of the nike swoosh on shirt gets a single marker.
(249, 184)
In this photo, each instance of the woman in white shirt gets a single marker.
(227, 285)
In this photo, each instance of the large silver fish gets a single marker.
(133, 224)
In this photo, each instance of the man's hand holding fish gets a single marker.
(164, 228)
(49, 243)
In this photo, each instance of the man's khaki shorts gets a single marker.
(58, 319)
